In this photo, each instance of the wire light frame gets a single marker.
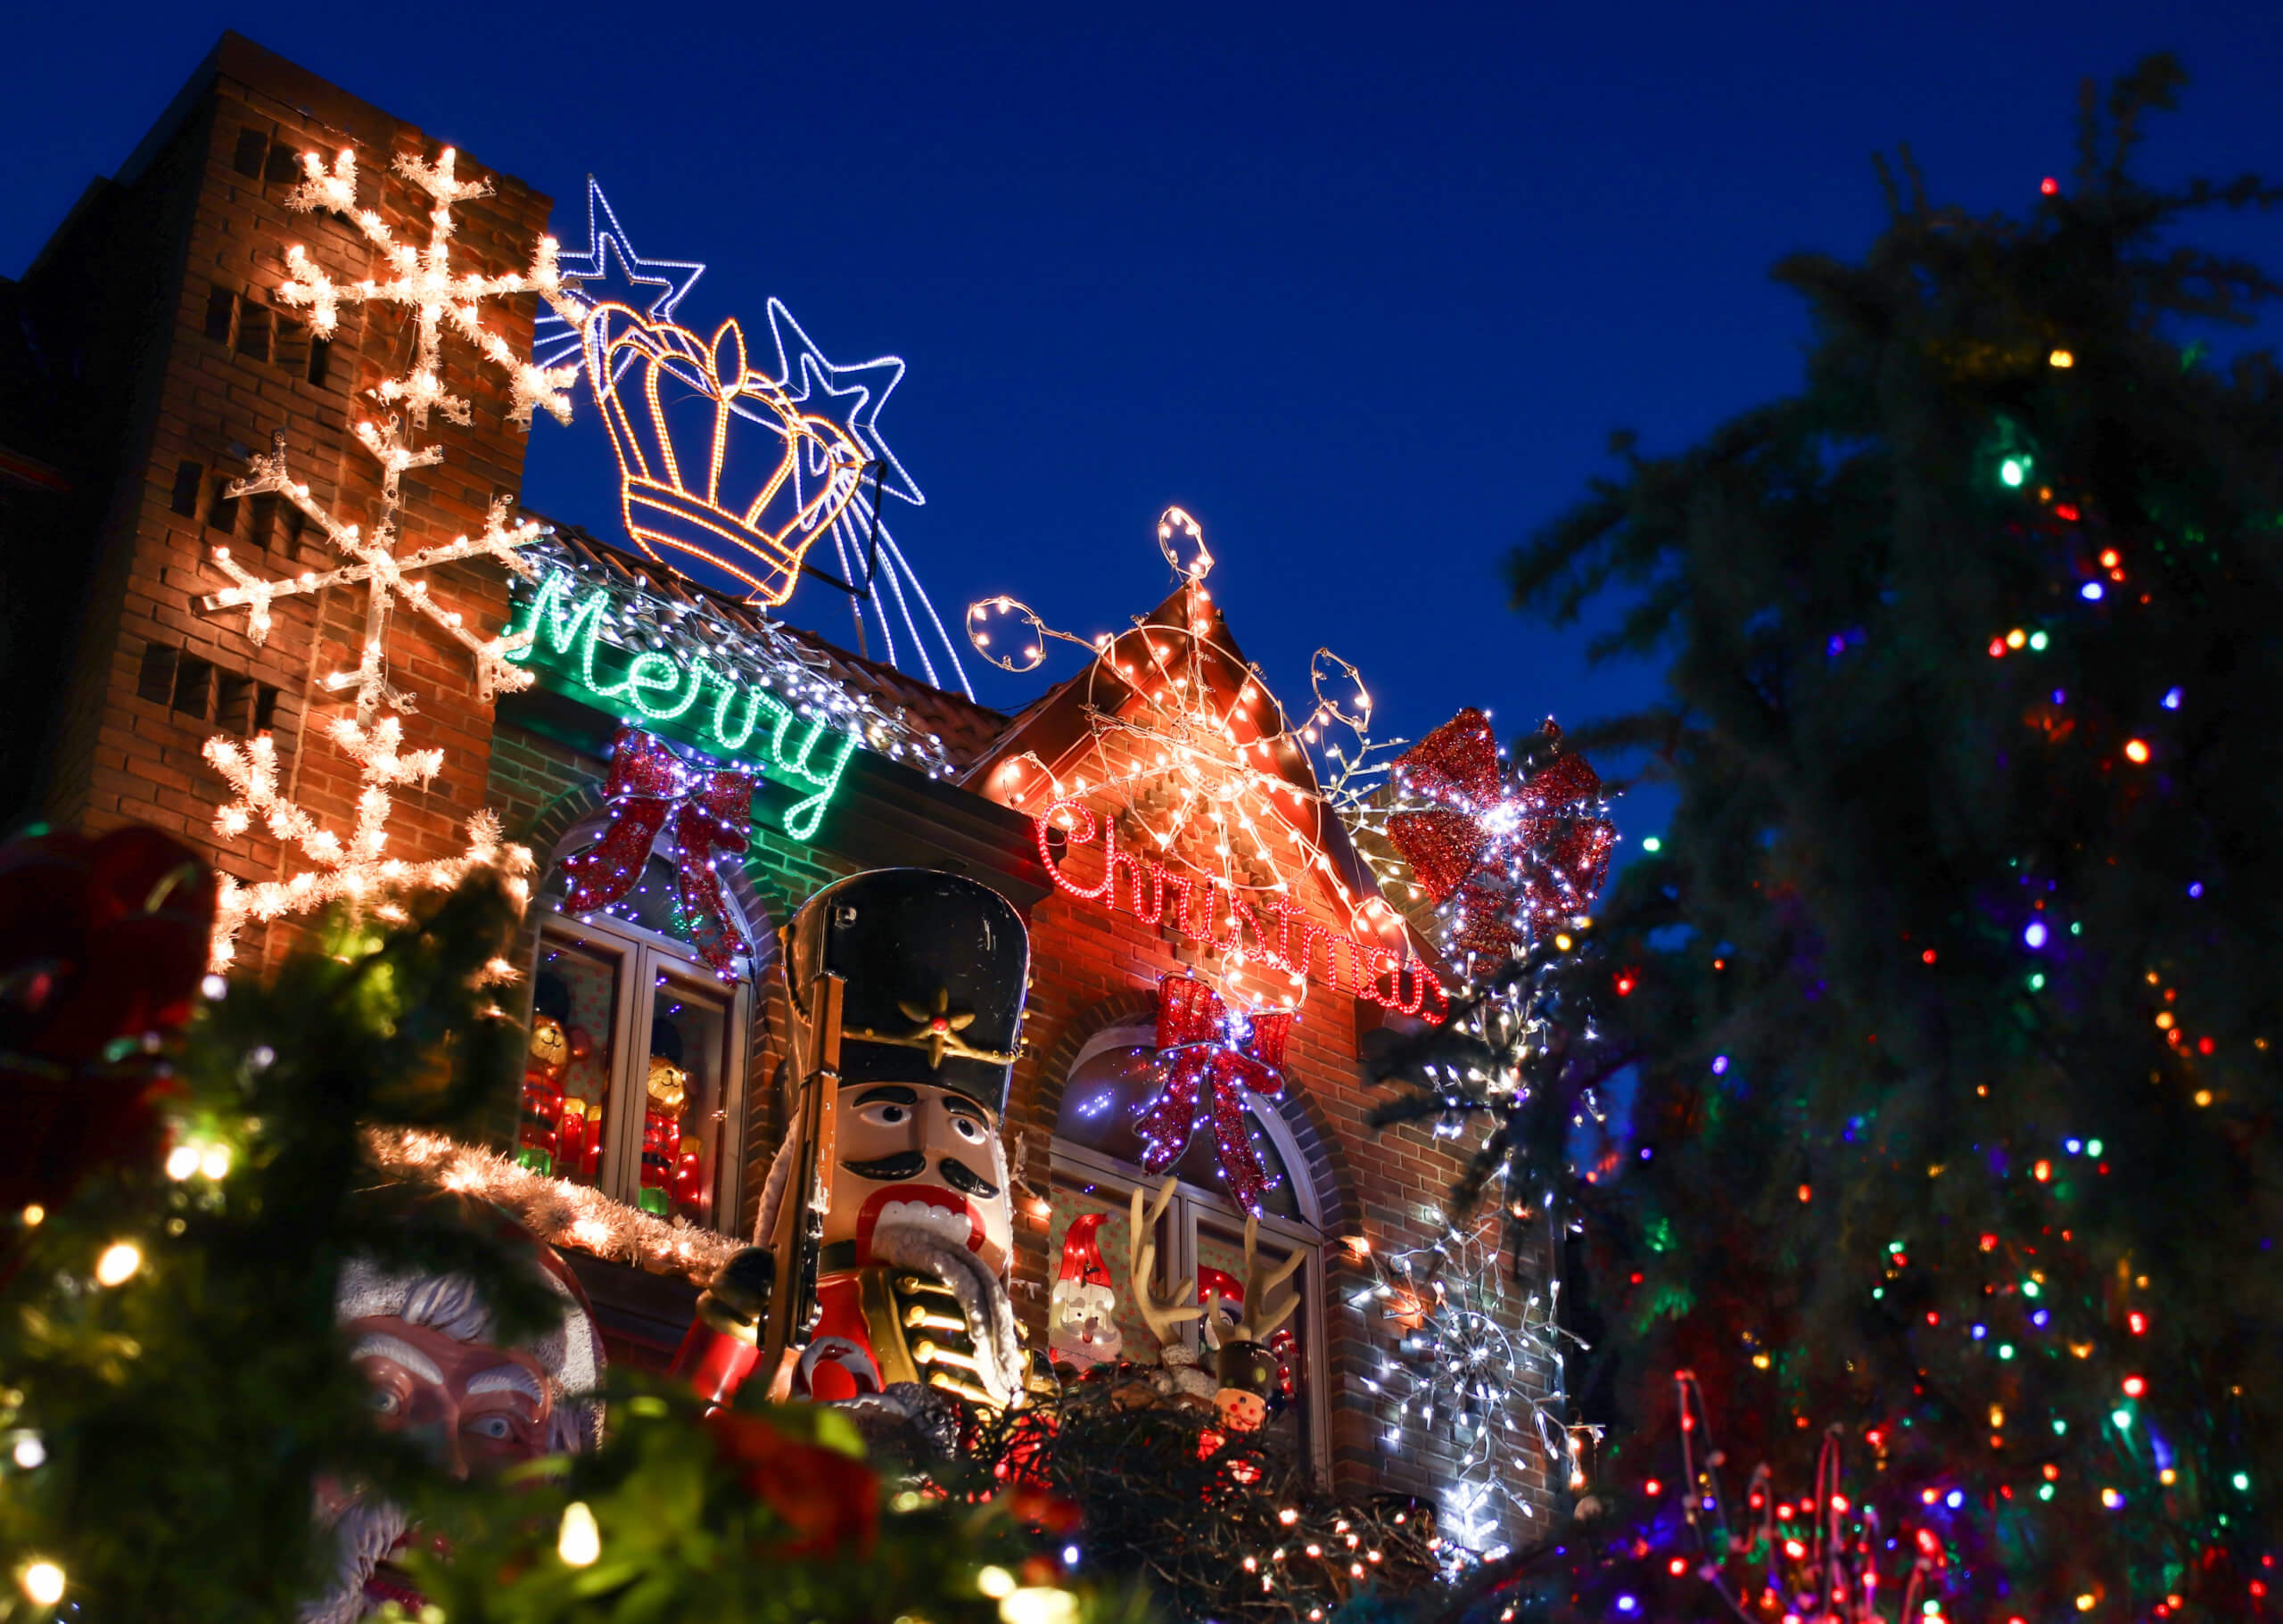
(1209, 776)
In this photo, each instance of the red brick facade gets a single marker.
(231, 367)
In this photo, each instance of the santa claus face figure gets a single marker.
(476, 1408)
(1080, 1328)
(912, 1157)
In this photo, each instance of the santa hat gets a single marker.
(1082, 1253)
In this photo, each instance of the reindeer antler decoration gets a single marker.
(1165, 1319)
(1255, 1322)
(1245, 1366)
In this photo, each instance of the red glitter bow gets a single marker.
(710, 808)
(1519, 853)
(1201, 1047)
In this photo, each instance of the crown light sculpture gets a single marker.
(848, 513)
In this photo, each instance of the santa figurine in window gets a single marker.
(667, 1091)
(1080, 1329)
(888, 1228)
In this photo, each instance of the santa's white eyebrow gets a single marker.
(380, 1344)
(505, 1378)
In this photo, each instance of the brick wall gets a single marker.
(153, 676)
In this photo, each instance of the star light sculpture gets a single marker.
(1190, 743)
(873, 568)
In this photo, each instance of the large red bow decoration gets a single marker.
(710, 810)
(1204, 1050)
(1519, 853)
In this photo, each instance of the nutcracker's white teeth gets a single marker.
(942, 1215)
(952, 1228)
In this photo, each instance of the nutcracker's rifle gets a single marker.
(807, 1197)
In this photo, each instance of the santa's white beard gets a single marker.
(364, 1533)
(1082, 1325)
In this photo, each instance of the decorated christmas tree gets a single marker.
(1948, 1189)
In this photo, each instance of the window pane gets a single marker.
(1090, 1318)
(1107, 1092)
(567, 1075)
(687, 1098)
(1221, 1266)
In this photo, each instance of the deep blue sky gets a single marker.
(1364, 288)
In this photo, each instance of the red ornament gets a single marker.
(1206, 1050)
(710, 810)
(103, 946)
(830, 1501)
(1519, 853)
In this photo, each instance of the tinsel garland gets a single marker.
(558, 1212)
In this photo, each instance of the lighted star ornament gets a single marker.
(423, 284)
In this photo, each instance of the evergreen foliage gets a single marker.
(1951, 993)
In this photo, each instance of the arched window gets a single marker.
(642, 1013)
(1097, 1168)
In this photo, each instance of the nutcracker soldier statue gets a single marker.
(885, 1226)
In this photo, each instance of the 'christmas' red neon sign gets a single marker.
(1208, 912)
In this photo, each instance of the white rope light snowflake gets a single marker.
(357, 870)
(353, 871)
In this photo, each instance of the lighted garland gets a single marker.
(1225, 1526)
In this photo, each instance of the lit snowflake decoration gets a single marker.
(357, 870)
(1474, 1363)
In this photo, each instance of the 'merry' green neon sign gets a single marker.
(654, 687)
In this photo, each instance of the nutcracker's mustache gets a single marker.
(909, 1164)
(891, 1169)
(966, 1179)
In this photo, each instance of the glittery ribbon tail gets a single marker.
(606, 871)
(1167, 1121)
(712, 819)
(1233, 1075)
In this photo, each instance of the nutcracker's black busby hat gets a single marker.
(935, 966)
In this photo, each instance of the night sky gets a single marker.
(1365, 289)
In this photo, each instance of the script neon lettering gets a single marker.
(1205, 911)
(662, 686)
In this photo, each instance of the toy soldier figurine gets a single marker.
(885, 1226)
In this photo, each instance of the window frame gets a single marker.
(642, 956)
(1177, 1246)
